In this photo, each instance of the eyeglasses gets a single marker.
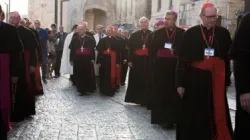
(213, 18)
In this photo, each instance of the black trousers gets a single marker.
(124, 70)
(58, 62)
(3, 132)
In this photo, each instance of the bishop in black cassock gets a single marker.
(240, 53)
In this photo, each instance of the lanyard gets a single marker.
(144, 39)
(210, 41)
(170, 37)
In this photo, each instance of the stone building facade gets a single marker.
(106, 12)
(160, 7)
(126, 13)
(227, 11)
(42, 10)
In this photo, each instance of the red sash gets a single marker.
(141, 52)
(165, 53)
(217, 68)
(5, 92)
(113, 66)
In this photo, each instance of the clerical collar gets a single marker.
(206, 29)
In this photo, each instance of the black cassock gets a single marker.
(166, 103)
(38, 82)
(10, 50)
(138, 73)
(205, 113)
(109, 57)
(25, 89)
(240, 52)
(81, 54)
(124, 56)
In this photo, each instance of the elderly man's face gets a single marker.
(170, 21)
(81, 30)
(109, 31)
(124, 33)
(37, 24)
(144, 24)
(209, 17)
(99, 29)
(14, 19)
(61, 29)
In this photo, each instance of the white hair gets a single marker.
(143, 18)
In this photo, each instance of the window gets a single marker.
(159, 6)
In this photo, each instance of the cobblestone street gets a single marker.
(63, 115)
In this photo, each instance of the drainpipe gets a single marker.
(61, 11)
(228, 11)
(56, 12)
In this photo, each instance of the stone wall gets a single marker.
(226, 9)
(42, 10)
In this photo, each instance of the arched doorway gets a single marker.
(94, 17)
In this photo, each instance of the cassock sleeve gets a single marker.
(152, 49)
(125, 50)
(92, 46)
(182, 65)
(32, 46)
(242, 72)
(131, 48)
(15, 57)
(240, 52)
(39, 47)
(99, 48)
(228, 71)
(72, 49)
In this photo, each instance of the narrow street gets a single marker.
(63, 115)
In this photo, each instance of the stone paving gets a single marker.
(63, 115)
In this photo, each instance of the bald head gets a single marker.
(22, 22)
(15, 18)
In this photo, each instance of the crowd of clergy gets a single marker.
(182, 76)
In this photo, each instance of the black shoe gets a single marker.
(44, 81)
(122, 84)
(167, 126)
(57, 76)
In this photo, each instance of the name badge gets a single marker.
(209, 52)
(168, 46)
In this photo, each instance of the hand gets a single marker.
(130, 64)
(180, 91)
(124, 61)
(93, 61)
(99, 65)
(172, 51)
(245, 101)
(32, 69)
(14, 80)
(71, 63)
(117, 65)
(227, 88)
